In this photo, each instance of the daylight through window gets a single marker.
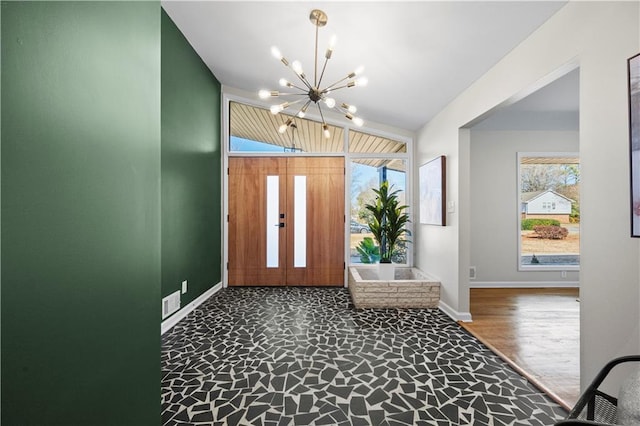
(549, 213)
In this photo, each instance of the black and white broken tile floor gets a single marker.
(305, 356)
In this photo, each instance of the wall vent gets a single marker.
(170, 304)
(472, 272)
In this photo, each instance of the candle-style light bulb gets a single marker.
(264, 94)
(351, 108)
(296, 66)
(362, 81)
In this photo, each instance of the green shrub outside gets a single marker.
(528, 224)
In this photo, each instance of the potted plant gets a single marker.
(388, 226)
(368, 250)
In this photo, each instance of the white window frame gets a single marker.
(233, 95)
(519, 210)
(408, 197)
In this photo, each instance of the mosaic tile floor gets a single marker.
(304, 356)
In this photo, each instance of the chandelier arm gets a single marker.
(345, 112)
(293, 141)
(283, 94)
(303, 107)
(315, 70)
(303, 80)
(321, 115)
(302, 89)
(293, 103)
(325, 127)
(332, 86)
(286, 105)
(324, 67)
(350, 115)
(296, 94)
(339, 87)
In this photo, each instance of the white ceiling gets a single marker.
(418, 56)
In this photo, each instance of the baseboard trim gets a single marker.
(524, 284)
(186, 310)
(455, 315)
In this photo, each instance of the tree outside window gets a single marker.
(549, 220)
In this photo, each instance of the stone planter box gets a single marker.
(411, 288)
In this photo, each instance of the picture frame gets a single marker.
(633, 72)
(433, 194)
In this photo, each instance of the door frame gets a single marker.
(233, 95)
(322, 238)
(225, 212)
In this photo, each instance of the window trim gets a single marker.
(234, 95)
(520, 209)
(408, 195)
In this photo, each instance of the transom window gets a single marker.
(254, 129)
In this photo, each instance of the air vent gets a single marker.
(170, 304)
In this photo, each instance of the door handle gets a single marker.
(280, 225)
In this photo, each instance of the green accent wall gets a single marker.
(191, 188)
(80, 205)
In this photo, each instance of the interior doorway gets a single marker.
(286, 221)
(523, 242)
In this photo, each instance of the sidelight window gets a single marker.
(367, 174)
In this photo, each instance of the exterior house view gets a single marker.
(546, 205)
(177, 233)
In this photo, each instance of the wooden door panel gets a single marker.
(325, 221)
(247, 221)
(247, 227)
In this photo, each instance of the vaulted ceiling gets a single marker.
(418, 56)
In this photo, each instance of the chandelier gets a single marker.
(313, 92)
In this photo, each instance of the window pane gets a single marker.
(300, 221)
(255, 129)
(273, 218)
(363, 142)
(366, 174)
(550, 212)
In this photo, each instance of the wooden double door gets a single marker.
(286, 221)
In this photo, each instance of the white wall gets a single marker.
(598, 37)
(494, 205)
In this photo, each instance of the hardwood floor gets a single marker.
(536, 331)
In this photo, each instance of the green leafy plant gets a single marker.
(368, 250)
(528, 224)
(388, 221)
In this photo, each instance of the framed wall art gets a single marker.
(634, 141)
(433, 192)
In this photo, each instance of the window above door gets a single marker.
(254, 129)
